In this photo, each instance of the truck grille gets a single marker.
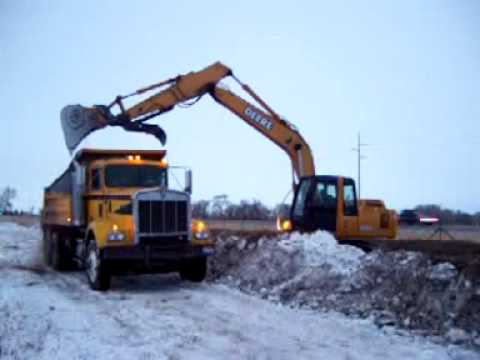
(157, 217)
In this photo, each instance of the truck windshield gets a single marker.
(135, 176)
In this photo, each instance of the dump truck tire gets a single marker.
(97, 274)
(194, 270)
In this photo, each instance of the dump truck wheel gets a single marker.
(97, 273)
(194, 270)
(58, 255)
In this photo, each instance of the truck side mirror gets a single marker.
(188, 181)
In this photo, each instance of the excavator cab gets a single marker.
(330, 203)
(320, 201)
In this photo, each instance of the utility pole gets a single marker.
(358, 150)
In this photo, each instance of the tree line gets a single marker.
(220, 207)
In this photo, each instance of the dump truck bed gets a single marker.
(57, 206)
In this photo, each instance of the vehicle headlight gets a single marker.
(115, 234)
(200, 230)
(284, 225)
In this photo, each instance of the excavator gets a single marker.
(320, 202)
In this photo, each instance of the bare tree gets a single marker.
(200, 209)
(6, 197)
(218, 206)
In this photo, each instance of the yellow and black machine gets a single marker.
(113, 211)
(115, 207)
(320, 201)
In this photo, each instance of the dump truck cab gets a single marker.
(114, 212)
(112, 185)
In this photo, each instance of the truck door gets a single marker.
(96, 206)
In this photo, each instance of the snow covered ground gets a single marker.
(404, 289)
(47, 315)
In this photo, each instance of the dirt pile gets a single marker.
(23, 243)
(401, 289)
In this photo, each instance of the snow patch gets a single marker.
(401, 289)
(20, 246)
(321, 249)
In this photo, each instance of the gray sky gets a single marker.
(406, 74)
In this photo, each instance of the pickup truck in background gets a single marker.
(412, 217)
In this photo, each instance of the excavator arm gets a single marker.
(277, 130)
(78, 122)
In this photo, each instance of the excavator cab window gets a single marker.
(315, 204)
(349, 198)
(301, 196)
(324, 196)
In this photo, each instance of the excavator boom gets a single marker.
(78, 122)
(183, 88)
(279, 131)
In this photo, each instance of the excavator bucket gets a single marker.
(77, 122)
(151, 129)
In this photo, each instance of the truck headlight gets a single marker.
(115, 234)
(200, 230)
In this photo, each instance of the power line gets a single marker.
(358, 150)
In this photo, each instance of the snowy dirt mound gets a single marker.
(20, 247)
(404, 289)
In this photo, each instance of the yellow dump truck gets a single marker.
(113, 212)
